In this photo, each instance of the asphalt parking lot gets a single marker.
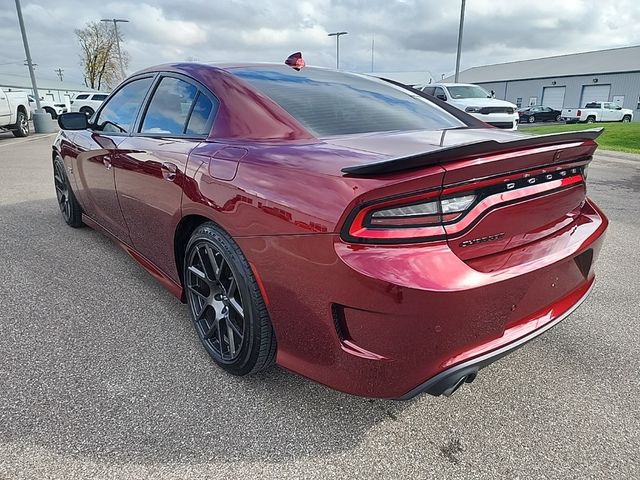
(102, 375)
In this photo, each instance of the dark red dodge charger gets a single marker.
(352, 230)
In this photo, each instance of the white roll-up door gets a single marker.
(553, 97)
(594, 93)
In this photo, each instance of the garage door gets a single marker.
(553, 97)
(594, 93)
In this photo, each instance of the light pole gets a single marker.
(115, 28)
(41, 120)
(337, 35)
(459, 40)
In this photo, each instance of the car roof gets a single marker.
(456, 84)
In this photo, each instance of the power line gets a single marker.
(59, 72)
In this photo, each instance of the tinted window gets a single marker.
(201, 115)
(99, 98)
(429, 90)
(592, 105)
(169, 107)
(335, 103)
(119, 113)
(439, 91)
(82, 97)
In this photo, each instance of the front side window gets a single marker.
(169, 107)
(335, 103)
(119, 113)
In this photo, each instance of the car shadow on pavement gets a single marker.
(100, 362)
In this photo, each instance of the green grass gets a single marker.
(623, 137)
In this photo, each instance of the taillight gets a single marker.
(416, 218)
(578, 113)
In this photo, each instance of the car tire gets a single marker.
(225, 302)
(51, 112)
(531, 119)
(69, 206)
(559, 118)
(626, 119)
(88, 111)
(22, 125)
(591, 119)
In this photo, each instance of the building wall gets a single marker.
(627, 84)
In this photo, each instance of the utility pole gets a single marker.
(337, 35)
(115, 28)
(460, 40)
(59, 72)
(41, 121)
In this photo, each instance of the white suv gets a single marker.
(476, 101)
(87, 102)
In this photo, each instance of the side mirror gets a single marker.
(73, 121)
(442, 97)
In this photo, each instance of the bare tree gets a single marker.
(99, 55)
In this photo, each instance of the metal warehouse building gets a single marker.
(565, 80)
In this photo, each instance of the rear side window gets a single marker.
(99, 98)
(201, 116)
(334, 103)
(592, 105)
(169, 107)
(82, 97)
(119, 113)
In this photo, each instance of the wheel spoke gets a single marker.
(234, 327)
(232, 343)
(201, 313)
(211, 329)
(193, 289)
(231, 291)
(198, 273)
(220, 339)
(237, 307)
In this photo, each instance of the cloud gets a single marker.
(409, 34)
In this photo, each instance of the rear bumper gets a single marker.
(449, 380)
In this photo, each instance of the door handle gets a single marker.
(169, 171)
(106, 161)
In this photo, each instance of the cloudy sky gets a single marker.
(409, 34)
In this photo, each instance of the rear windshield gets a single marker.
(592, 105)
(334, 103)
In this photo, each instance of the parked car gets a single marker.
(598, 112)
(53, 109)
(14, 112)
(539, 113)
(87, 103)
(346, 228)
(476, 101)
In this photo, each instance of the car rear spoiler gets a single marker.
(472, 149)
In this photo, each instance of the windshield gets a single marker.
(333, 103)
(468, 91)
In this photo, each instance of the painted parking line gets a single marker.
(26, 140)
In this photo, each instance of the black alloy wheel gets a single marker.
(69, 207)
(225, 302)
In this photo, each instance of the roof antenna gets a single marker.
(295, 61)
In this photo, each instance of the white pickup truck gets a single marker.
(14, 112)
(597, 112)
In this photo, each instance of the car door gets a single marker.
(96, 150)
(150, 169)
(5, 111)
